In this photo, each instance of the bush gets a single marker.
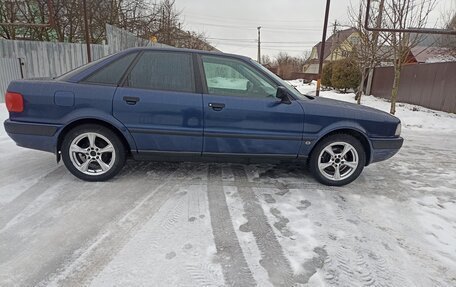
(327, 74)
(345, 75)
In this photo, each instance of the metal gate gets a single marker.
(10, 69)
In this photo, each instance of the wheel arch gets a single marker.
(125, 137)
(359, 135)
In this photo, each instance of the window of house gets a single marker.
(167, 71)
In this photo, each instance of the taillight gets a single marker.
(14, 102)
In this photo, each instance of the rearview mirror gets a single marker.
(282, 94)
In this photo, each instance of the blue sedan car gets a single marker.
(181, 105)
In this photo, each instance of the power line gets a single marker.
(265, 46)
(269, 28)
(222, 26)
(234, 40)
(249, 20)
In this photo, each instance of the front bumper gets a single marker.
(31, 135)
(383, 149)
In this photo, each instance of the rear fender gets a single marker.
(97, 115)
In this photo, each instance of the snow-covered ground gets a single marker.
(194, 224)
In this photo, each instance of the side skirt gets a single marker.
(173, 156)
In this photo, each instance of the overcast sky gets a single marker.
(287, 25)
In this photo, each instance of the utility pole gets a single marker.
(334, 43)
(259, 45)
(86, 28)
(322, 47)
(335, 27)
(378, 22)
(375, 35)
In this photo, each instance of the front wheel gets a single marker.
(337, 160)
(93, 152)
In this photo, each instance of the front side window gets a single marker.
(233, 77)
(167, 71)
(111, 73)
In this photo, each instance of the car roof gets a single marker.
(174, 49)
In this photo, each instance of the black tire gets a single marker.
(114, 159)
(352, 173)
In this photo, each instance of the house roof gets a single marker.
(336, 38)
(432, 54)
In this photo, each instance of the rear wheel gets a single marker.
(93, 152)
(337, 160)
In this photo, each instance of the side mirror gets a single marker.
(282, 94)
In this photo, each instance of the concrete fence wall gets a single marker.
(51, 59)
(9, 70)
(428, 85)
(48, 59)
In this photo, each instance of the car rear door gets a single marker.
(242, 116)
(159, 103)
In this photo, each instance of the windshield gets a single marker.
(292, 89)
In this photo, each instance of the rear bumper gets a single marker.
(383, 149)
(31, 135)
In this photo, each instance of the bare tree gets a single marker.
(287, 64)
(266, 60)
(403, 14)
(144, 18)
(368, 50)
(448, 41)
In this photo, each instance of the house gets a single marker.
(432, 48)
(337, 47)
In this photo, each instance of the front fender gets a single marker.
(311, 139)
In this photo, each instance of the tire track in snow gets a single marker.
(201, 273)
(353, 258)
(12, 209)
(229, 253)
(177, 240)
(109, 242)
(272, 256)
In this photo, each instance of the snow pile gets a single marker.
(304, 88)
(228, 83)
(413, 117)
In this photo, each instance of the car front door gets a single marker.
(159, 105)
(242, 116)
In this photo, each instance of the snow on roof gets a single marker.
(433, 54)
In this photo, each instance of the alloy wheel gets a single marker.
(338, 160)
(92, 153)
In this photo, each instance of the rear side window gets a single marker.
(112, 73)
(166, 71)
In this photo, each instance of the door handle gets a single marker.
(216, 106)
(131, 100)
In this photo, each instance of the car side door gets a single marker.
(242, 115)
(159, 103)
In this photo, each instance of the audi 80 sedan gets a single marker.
(183, 105)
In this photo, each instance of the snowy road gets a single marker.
(192, 224)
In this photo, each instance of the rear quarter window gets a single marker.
(112, 73)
